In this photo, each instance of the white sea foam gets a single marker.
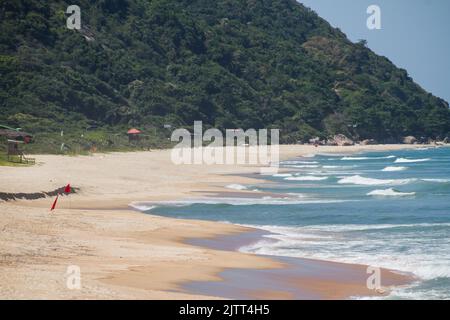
(310, 155)
(306, 178)
(298, 195)
(437, 180)
(298, 162)
(291, 200)
(236, 187)
(324, 154)
(333, 243)
(142, 207)
(354, 158)
(359, 180)
(282, 175)
(404, 160)
(340, 174)
(321, 229)
(304, 166)
(390, 193)
(393, 169)
(415, 292)
(336, 167)
(365, 158)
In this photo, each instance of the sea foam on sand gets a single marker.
(236, 186)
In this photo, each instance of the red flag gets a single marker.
(54, 203)
(67, 189)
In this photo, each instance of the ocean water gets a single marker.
(387, 209)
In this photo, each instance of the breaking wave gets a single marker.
(373, 182)
(306, 178)
(390, 193)
(336, 243)
(393, 169)
(366, 158)
(437, 180)
(404, 160)
(282, 175)
(147, 206)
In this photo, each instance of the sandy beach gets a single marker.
(125, 254)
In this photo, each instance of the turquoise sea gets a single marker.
(387, 209)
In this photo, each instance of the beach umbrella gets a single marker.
(133, 131)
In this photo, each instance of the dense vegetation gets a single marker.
(229, 63)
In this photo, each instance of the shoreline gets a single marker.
(109, 181)
(313, 278)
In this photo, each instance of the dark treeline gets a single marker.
(230, 63)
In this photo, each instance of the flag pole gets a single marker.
(54, 203)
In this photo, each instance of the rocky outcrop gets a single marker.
(341, 140)
(315, 141)
(409, 140)
(368, 142)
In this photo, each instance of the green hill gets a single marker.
(229, 63)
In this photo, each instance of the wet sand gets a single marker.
(298, 279)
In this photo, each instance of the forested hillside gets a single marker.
(229, 63)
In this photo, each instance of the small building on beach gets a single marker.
(14, 138)
(134, 134)
(15, 134)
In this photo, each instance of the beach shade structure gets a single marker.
(14, 138)
(133, 134)
(15, 134)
